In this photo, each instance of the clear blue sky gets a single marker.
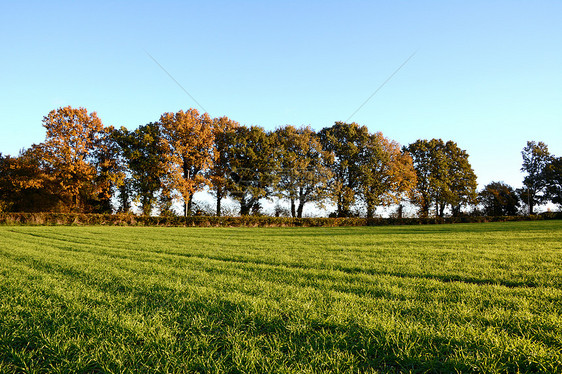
(487, 74)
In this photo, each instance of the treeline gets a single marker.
(84, 166)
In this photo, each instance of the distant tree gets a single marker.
(143, 152)
(499, 199)
(387, 173)
(347, 143)
(304, 170)
(71, 154)
(224, 130)
(445, 177)
(254, 167)
(553, 180)
(536, 157)
(188, 141)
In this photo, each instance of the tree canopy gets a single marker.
(445, 176)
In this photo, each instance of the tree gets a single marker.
(347, 143)
(25, 186)
(553, 180)
(188, 141)
(219, 174)
(110, 171)
(70, 154)
(535, 159)
(461, 189)
(499, 199)
(445, 177)
(304, 172)
(254, 170)
(142, 151)
(426, 162)
(387, 173)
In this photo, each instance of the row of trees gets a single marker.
(83, 165)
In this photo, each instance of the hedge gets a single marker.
(246, 221)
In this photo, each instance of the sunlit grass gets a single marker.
(448, 298)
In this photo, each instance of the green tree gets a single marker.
(462, 184)
(445, 177)
(536, 157)
(553, 180)
(224, 130)
(253, 167)
(426, 162)
(142, 151)
(347, 144)
(499, 199)
(188, 141)
(304, 170)
(110, 171)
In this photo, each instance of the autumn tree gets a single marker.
(536, 157)
(73, 154)
(347, 143)
(499, 199)
(224, 130)
(142, 150)
(188, 141)
(387, 173)
(445, 177)
(25, 186)
(303, 167)
(253, 167)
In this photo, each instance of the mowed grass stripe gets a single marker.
(511, 269)
(284, 318)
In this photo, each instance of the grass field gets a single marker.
(443, 298)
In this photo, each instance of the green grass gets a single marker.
(445, 298)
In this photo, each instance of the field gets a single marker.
(442, 298)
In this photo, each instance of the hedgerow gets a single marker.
(244, 221)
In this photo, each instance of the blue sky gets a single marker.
(486, 74)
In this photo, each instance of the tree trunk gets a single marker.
(146, 205)
(370, 209)
(219, 199)
(300, 208)
(245, 206)
(440, 209)
(293, 213)
(189, 204)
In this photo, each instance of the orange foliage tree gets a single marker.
(188, 143)
(68, 147)
(24, 185)
(388, 174)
